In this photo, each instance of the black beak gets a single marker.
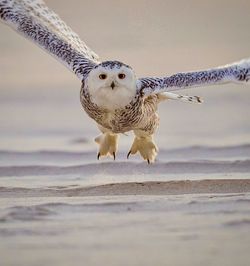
(112, 85)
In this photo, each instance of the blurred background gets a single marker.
(39, 97)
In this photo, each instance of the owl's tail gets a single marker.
(172, 96)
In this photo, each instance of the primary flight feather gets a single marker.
(111, 94)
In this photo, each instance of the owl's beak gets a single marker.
(112, 85)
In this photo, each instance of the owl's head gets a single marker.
(111, 84)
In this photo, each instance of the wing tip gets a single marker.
(191, 99)
(199, 99)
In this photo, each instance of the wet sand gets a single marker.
(133, 188)
(212, 229)
(125, 213)
(55, 211)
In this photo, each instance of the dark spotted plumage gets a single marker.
(113, 64)
(140, 113)
(238, 72)
(36, 22)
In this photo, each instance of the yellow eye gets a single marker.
(121, 76)
(102, 76)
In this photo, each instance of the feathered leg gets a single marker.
(144, 144)
(108, 143)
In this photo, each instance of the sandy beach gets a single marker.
(60, 206)
(212, 229)
(125, 213)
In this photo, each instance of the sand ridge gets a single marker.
(134, 188)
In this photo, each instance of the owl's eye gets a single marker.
(102, 76)
(121, 76)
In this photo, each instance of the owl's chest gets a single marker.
(121, 120)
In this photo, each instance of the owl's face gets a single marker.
(111, 85)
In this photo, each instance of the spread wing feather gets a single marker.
(34, 20)
(237, 72)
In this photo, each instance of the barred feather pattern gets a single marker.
(36, 22)
(237, 72)
(140, 113)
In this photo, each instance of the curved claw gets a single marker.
(98, 156)
(128, 154)
(146, 148)
(114, 155)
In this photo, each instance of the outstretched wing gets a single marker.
(237, 72)
(34, 20)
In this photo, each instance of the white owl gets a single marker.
(111, 94)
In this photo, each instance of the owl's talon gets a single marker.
(108, 144)
(146, 147)
(128, 154)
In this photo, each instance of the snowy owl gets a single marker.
(111, 94)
